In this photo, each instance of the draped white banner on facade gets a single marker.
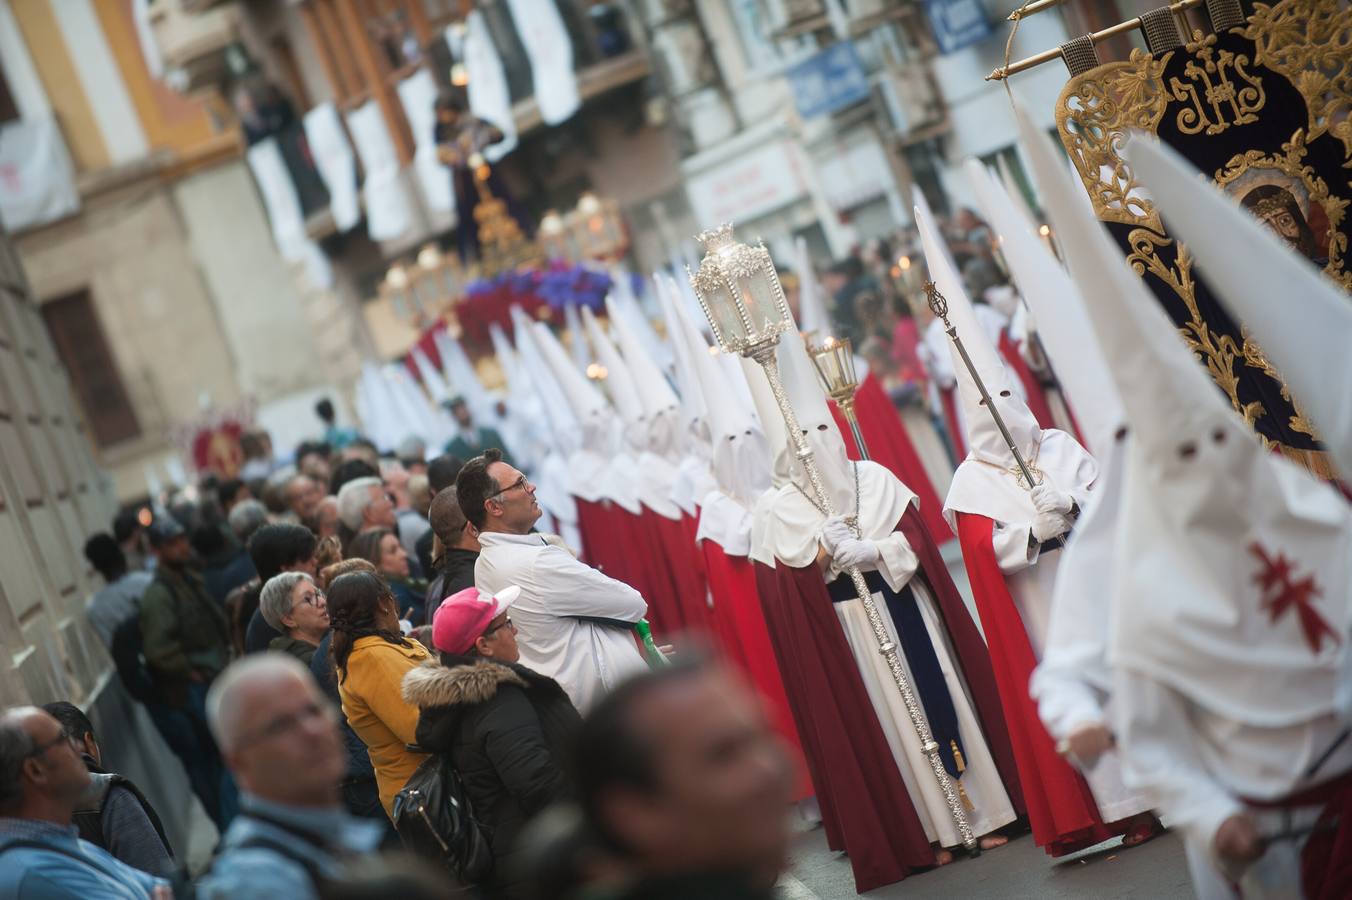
(387, 206)
(551, 57)
(37, 180)
(285, 213)
(418, 94)
(336, 163)
(489, 97)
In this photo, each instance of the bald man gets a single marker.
(279, 736)
(42, 779)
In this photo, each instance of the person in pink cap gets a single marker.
(507, 729)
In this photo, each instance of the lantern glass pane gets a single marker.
(758, 293)
(723, 305)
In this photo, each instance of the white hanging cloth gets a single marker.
(489, 97)
(551, 57)
(336, 163)
(418, 95)
(284, 212)
(388, 215)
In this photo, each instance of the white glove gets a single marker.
(833, 532)
(1047, 525)
(853, 553)
(1048, 499)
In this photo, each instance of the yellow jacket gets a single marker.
(376, 710)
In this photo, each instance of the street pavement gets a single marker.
(1017, 871)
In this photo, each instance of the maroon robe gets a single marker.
(865, 807)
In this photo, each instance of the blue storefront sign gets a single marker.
(957, 23)
(829, 81)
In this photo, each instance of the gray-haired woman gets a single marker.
(294, 605)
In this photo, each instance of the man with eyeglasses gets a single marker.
(279, 736)
(574, 624)
(42, 779)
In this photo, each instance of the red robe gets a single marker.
(676, 570)
(889, 445)
(1061, 808)
(1037, 400)
(865, 808)
(740, 626)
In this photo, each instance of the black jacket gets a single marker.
(457, 573)
(508, 731)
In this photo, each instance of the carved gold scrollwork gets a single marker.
(1221, 103)
(1310, 42)
(1093, 115)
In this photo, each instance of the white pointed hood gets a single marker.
(808, 400)
(983, 438)
(577, 343)
(619, 381)
(545, 419)
(586, 463)
(816, 321)
(661, 407)
(693, 412)
(1223, 538)
(1057, 306)
(740, 452)
(1301, 319)
(380, 418)
(637, 476)
(431, 378)
(541, 399)
(623, 300)
(463, 380)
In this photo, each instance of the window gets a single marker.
(78, 335)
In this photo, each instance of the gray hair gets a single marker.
(246, 517)
(16, 745)
(225, 698)
(354, 497)
(274, 600)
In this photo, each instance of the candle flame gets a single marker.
(904, 263)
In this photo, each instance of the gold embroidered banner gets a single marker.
(1263, 109)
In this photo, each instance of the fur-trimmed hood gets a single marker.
(471, 681)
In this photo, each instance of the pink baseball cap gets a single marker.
(461, 618)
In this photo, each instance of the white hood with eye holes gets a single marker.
(988, 482)
(1234, 571)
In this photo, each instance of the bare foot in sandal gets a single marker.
(942, 857)
(991, 841)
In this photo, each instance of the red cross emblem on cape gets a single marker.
(1283, 591)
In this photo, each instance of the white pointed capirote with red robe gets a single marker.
(1012, 571)
(1229, 626)
(1069, 683)
(884, 771)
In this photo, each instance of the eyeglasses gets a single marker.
(282, 724)
(506, 623)
(519, 483)
(309, 600)
(61, 736)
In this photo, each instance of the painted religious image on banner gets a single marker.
(1285, 205)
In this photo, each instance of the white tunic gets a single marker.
(793, 528)
(1196, 766)
(558, 595)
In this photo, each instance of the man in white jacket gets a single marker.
(573, 623)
